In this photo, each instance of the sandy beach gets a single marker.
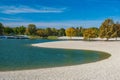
(108, 69)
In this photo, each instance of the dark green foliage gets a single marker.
(1, 29)
(19, 30)
(48, 32)
(8, 31)
(61, 32)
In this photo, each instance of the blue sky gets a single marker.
(58, 13)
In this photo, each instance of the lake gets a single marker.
(20, 55)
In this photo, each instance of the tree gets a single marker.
(61, 32)
(40, 32)
(71, 32)
(115, 29)
(105, 31)
(118, 29)
(79, 31)
(31, 30)
(54, 31)
(8, 31)
(48, 32)
(90, 33)
(16, 30)
(1, 29)
(21, 30)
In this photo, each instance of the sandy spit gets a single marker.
(108, 69)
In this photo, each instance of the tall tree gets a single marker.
(1, 29)
(71, 32)
(118, 29)
(105, 31)
(31, 30)
(115, 29)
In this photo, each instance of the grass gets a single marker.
(52, 37)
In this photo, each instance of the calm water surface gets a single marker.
(20, 55)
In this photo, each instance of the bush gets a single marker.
(52, 37)
(35, 37)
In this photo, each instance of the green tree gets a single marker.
(21, 30)
(90, 33)
(8, 31)
(16, 30)
(1, 29)
(48, 31)
(31, 30)
(61, 32)
(71, 32)
(54, 31)
(80, 31)
(105, 31)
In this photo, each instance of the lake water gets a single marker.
(20, 55)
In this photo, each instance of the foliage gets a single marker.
(71, 32)
(21, 30)
(48, 31)
(61, 32)
(31, 30)
(79, 31)
(54, 31)
(1, 29)
(8, 31)
(90, 33)
(106, 29)
(41, 32)
(118, 30)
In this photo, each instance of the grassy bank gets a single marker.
(49, 37)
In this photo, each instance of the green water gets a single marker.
(20, 55)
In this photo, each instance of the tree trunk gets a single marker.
(116, 38)
(107, 39)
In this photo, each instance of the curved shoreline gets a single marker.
(108, 69)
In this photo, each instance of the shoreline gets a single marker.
(107, 69)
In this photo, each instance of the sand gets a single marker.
(108, 69)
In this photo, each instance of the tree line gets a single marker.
(108, 29)
(31, 30)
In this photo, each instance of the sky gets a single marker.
(58, 13)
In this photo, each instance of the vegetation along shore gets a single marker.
(108, 29)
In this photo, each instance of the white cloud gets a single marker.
(10, 19)
(27, 9)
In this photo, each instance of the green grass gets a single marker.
(52, 37)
